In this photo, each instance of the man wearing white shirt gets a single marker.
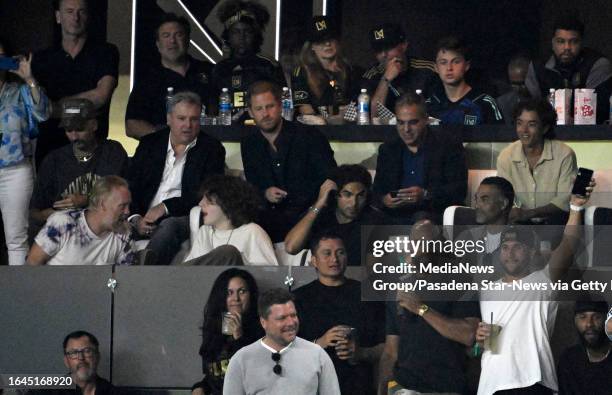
(98, 235)
(166, 173)
(523, 362)
(281, 363)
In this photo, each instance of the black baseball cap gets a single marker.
(76, 113)
(322, 29)
(521, 235)
(587, 304)
(386, 36)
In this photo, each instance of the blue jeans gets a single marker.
(168, 237)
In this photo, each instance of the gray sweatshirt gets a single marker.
(306, 370)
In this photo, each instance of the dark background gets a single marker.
(496, 30)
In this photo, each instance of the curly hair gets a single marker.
(212, 339)
(253, 14)
(237, 198)
(545, 111)
(345, 174)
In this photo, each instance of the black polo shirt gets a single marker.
(63, 76)
(237, 74)
(148, 98)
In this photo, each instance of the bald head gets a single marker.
(517, 69)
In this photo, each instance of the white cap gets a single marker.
(364, 90)
(224, 90)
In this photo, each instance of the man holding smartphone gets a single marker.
(527, 318)
(422, 171)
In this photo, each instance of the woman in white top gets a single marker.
(229, 206)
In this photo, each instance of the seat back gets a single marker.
(302, 258)
(457, 216)
(597, 220)
(195, 221)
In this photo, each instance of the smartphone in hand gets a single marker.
(8, 63)
(583, 179)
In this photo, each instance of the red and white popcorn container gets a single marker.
(585, 107)
(564, 106)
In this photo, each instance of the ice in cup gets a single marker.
(225, 320)
(491, 343)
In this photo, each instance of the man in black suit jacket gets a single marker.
(166, 173)
(286, 161)
(422, 171)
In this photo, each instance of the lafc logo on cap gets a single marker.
(321, 25)
(236, 81)
(379, 34)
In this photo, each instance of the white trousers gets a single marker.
(16, 184)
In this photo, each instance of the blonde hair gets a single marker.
(315, 74)
(103, 188)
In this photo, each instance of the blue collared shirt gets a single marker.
(414, 168)
(16, 144)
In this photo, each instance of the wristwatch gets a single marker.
(423, 309)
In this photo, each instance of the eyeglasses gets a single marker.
(277, 369)
(86, 352)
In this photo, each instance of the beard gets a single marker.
(270, 128)
(84, 372)
(597, 342)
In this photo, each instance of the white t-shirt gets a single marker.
(68, 240)
(250, 239)
(493, 240)
(525, 357)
